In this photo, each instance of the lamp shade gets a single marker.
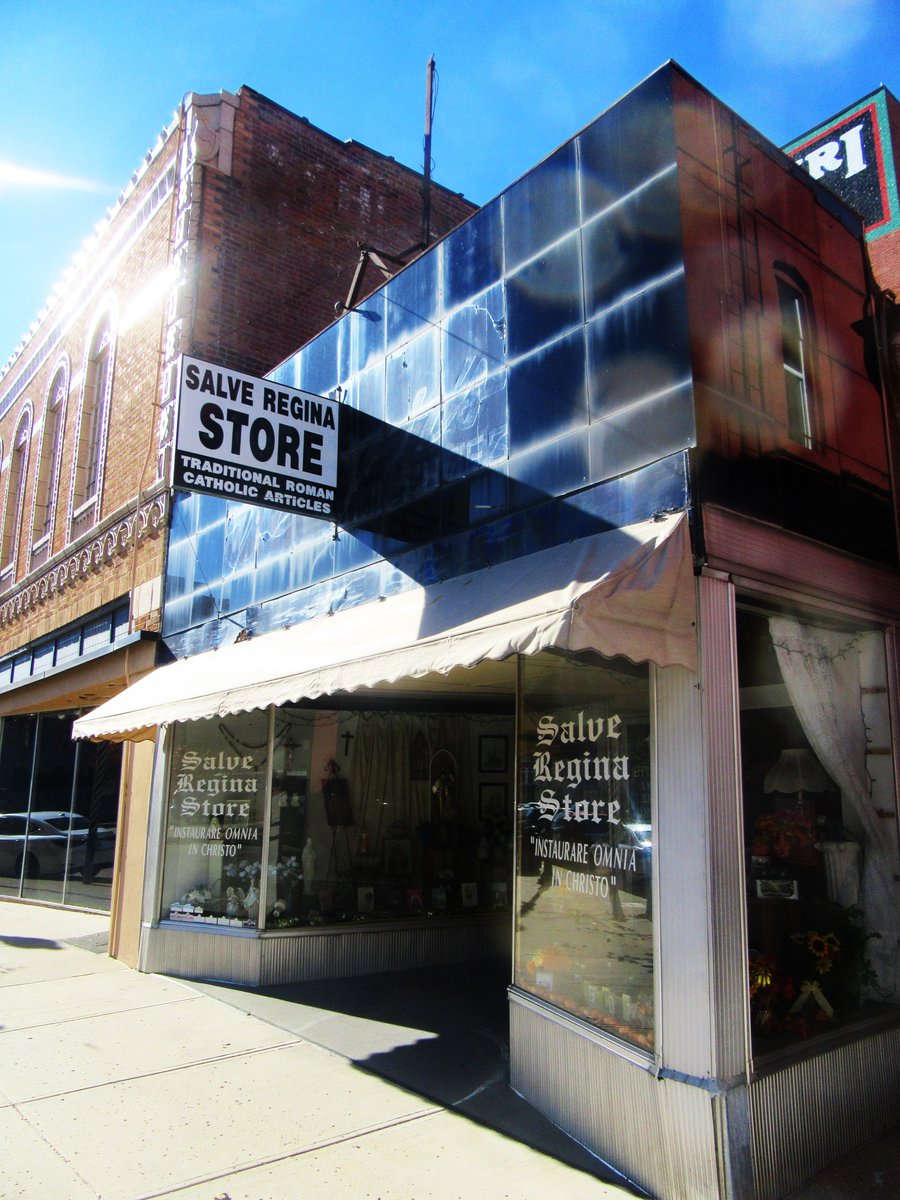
(796, 771)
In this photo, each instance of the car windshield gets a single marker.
(66, 821)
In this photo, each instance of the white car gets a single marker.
(39, 844)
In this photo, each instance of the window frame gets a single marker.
(797, 353)
(92, 430)
(16, 479)
(45, 496)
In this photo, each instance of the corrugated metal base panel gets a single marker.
(201, 954)
(337, 953)
(326, 954)
(814, 1111)
(660, 1134)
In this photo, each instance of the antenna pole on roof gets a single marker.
(426, 183)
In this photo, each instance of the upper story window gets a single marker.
(92, 429)
(796, 353)
(14, 498)
(47, 477)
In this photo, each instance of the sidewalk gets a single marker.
(125, 1086)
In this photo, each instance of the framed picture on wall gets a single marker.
(491, 801)
(492, 754)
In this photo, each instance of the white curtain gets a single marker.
(821, 670)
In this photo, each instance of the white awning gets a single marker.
(626, 592)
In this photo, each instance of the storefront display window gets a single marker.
(217, 797)
(364, 816)
(584, 929)
(820, 824)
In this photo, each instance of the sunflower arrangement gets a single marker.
(820, 950)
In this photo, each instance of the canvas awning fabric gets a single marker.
(627, 591)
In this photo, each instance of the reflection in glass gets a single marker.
(216, 801)
(584, 930)
(59, 812)
(367, 821)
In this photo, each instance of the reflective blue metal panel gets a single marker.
(473, 262)
(525, 381)
(541, 207)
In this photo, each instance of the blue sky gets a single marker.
(87, 86)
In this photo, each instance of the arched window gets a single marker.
(92, 427)
(796, 352)
(47, 477)
(14, 499)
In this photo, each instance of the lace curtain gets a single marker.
(821, 670)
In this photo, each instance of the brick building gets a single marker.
(235, 240)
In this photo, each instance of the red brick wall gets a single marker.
(737, 226)
(280, 235)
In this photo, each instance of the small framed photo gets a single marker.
(777, 889)
(491, 801)
(492, 754)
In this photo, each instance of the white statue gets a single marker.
(251, 902)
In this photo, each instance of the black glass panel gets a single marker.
(547, 394)
(320, 367)
(411, 299)
(639, 348)
(474, 343)
(541, 207)
(367, 332)
(636, 241)
(475, 427)
(473, 256)
(544, 299)
(629, 144)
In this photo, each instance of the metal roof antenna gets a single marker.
(430, 105)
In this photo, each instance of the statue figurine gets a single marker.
(251, 902)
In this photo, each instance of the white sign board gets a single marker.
(255, 440)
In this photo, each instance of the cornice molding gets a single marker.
(98, 551)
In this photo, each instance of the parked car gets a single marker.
(39, 843)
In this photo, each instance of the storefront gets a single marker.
(565, 676)
(360, 813)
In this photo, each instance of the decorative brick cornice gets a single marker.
(95, 553)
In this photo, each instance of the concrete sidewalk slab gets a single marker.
(199, 1122)
(89, 1052)
(32, 1168)
(52, 1001)
(439, 1156)
(121, 1086)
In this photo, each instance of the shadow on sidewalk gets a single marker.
(441, 1032)
(29, 943)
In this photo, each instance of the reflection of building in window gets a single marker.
(92, 424)
(46, 482)
(15, 488)
(796, 328)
